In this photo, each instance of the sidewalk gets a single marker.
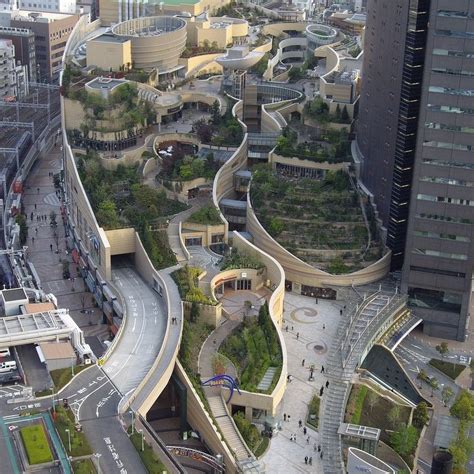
(47, 246)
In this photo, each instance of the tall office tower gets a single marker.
(416, 143)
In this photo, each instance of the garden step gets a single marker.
(267, 379)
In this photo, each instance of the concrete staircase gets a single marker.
(228, 428)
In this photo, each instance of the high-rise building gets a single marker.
(13, 77)
(415, 139)
(25, 51)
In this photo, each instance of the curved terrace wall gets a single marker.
(301, 272)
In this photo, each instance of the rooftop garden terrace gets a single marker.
(207, 215)
(319, 221)
(187, 280)
(235, 259)
(334, 146)
(253, 347)
(219, 130)
(205, 48)
(319, 110)
(119, 200)
(177, 166)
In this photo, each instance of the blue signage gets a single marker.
(224, 381)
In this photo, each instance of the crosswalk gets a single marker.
(51, 199)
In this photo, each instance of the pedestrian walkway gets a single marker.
(308, 329)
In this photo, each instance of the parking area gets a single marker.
(37, 375)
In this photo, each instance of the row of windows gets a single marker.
(455, 14)
(435, 299)
(449, 52)
(437, 217)
(448, 200)
(437, 253)
(450, 181)
(448, 164)
(436, 271)
(436, 235)
(448, 146)
(449, 128)
(450, 109)
(451, 91)
(452, 72)
(455, 34)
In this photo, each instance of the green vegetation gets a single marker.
(205, 48)
(36, 444)
(61, 377)
(451, 369)
(188, 285)
(262, 447)
(356, 403)
(220, 130)
(248, 431)
(253, 347)
(463, 407)
(152, 463)
(319, 110)
(84, 466)
(237, 259)
(262, 65)
(123, 110)
(207, 215)
(119, 200)
(313, 412)
(64, 420)
(20, 219)
(355, 51)
(334, 146)
(404, 441)
(420, 415)
(318, 220)
(188, 167)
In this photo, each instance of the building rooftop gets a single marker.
(57, 350)
(446, 431)
(108, 38)
(359, 431)
(39, 17)
(39, 307)
(15, 294)
(105, 83)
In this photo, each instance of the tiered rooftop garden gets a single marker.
(319, 221)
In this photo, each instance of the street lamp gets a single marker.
(97, 456)
(143, 441)
(68, 438)
(54, 406)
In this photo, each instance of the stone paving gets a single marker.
(309, 328)
(46, 251)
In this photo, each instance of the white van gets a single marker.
(8, 366)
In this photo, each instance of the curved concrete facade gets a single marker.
(319, 35)
(157, 41)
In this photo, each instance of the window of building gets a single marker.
(448, 164)
(449, 128)
(437, 217)
(435, 300)
(436, 235)
(437, 271)
(450, 109)
(437, 253)
(445, 199)
(451, 91)
(243, 284)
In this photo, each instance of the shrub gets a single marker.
(207, 215)
(463, 407)
(359, 403)
(186, 279)
(240, 260)
(248, 431)
(404, 440)
(421, 415)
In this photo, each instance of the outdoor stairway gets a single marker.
(267, 379)
(228, 428)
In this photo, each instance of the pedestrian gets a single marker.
(38, 190)
(324, 327)
(321, 391)
(297, 335)
(32, 240)
(319, 448)
(51, 247)
(284, 416)
(35, 206)
(327, 383)
(289, 416)
(310, 461)
(307, 440)
(306, 459)
(302, 363)
(300, 423)
(286, 328)
(36, 230)
(322, 369)
(340, 312)
(321, 455)
(292, 328)
(31, 216)
(305, 431)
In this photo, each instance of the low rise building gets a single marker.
(51, 31)
(13, 77)
(109, 52)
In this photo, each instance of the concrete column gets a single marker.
(248, 413)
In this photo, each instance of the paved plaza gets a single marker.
(311, 327)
